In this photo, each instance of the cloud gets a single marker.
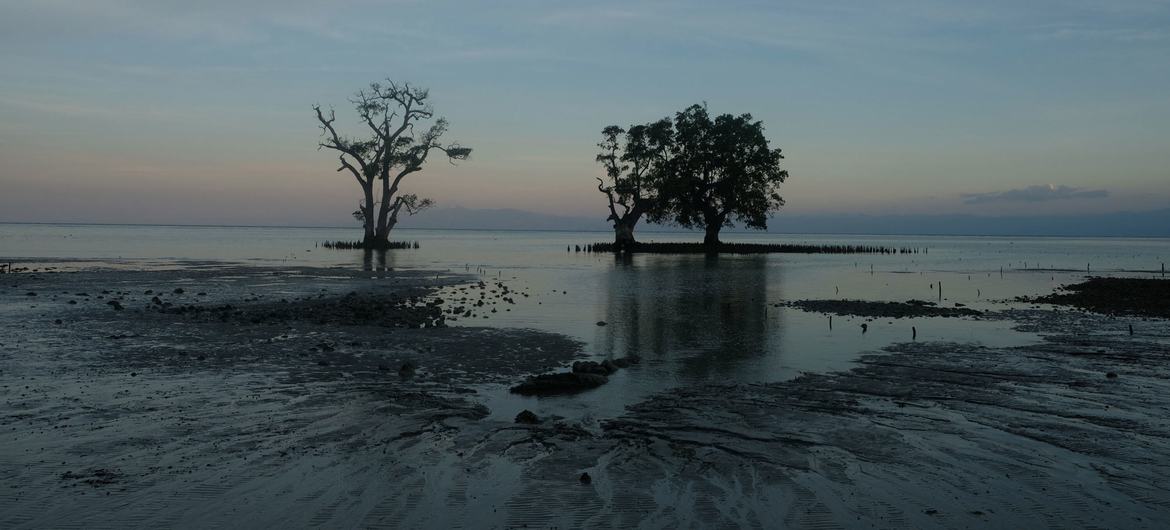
(1123, 35)
(1034, 194)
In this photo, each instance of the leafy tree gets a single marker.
(720, 171)
(396, 145)
(632, 160)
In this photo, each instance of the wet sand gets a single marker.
(151, 418)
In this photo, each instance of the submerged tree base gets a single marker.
(748, 248)
(363, 245)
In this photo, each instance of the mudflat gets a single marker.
(295, 407)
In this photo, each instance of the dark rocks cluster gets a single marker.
(95, 477)
(394, 310)
(1114, 296)
(745, 248)
(863, 308)
(465, 303)
(585, 375)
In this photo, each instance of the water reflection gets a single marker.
(708, 314)
(374, 260)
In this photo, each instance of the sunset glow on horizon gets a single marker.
(175, 112)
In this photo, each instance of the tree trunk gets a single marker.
(623, 229)
(711, 239)
(380, 240)
(623, 236)
(368, 217)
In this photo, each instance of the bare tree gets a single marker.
(397, 145)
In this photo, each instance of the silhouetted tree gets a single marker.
(720, 171)
(396, 146)
(633, 160)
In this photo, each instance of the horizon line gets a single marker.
(677, 231)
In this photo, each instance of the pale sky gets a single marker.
(170, 111)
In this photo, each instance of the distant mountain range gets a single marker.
(1124, 224)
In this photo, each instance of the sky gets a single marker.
(169, 111)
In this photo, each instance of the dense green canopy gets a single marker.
(693, 171)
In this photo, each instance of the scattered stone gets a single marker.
(407, 369)
(601, 323)
(1114, 296)
(322, 362)
(1111, 375)
(590, 367)
(559, 383)
(115, 304)
(863, 308)
(585, 478)
(527, 417)
(179, 290)
(95, 478)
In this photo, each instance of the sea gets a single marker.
(693, 319)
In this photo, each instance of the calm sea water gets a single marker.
(692, 318)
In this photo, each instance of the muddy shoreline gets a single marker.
(289, 413)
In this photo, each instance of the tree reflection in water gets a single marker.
(706, 313)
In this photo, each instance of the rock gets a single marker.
(585, 478)
(114, 304)
(527, 417)
(30, 293)
(407, 369)
(601, 323)
(609, 366)
(590, 367)
(559, 383)
(1111, 375)
(57, 322)
(179, 290)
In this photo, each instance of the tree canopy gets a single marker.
(633, 160)
(395, 145)
(693, 171)
(721, 170)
